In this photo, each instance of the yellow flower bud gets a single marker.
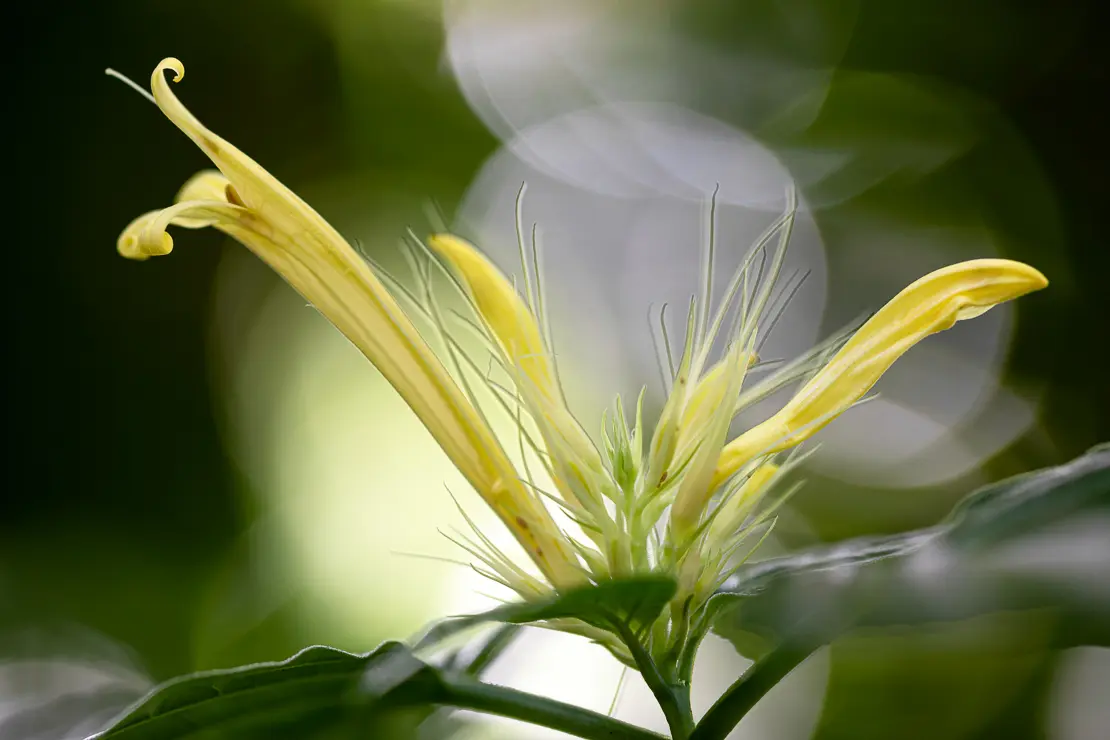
(715, 396)
(703, 403)
(517, 332)
(502, 309)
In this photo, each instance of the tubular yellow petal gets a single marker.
(702, 404)
(737, 507)
(501, 308)
(664, 441)
(248, 203)
(717, 391)
(518, 334)
(932, 304)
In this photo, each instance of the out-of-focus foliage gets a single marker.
(1032, 542)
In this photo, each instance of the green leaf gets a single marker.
(327, 694)
(999, 549)
(318, 692)
(635, 601)
(316, 689)
(322, 692)
(310, 689)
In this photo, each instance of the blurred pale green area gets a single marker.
(202, 474)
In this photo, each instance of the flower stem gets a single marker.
(673, 696)
(739, 699)
(463, 692)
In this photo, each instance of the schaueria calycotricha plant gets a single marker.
(676, 496)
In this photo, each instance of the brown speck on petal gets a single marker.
(232, 196)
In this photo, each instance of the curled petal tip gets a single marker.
(128, 247)
(174, 65)
(139, 242)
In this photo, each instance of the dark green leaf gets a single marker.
(316, 689)
(326, 694)
(314, 694)
(635, 601)
(999, 549)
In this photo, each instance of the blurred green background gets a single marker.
(200, 474)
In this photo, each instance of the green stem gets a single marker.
(690, 652)
(673, 697)
(463, 692)
(738, 700)
(680, 693)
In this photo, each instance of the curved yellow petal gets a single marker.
(502, 309)
(146, 236)
(715, 396)
(517, 332)
(208, 185)
(254, 207)
(929, 305)
(253, 186)
(737, 507)
(701, 404)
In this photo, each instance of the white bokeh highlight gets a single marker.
(520, 64)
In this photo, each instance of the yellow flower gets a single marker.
(684, 504)
(249, 204)
(929, 305)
